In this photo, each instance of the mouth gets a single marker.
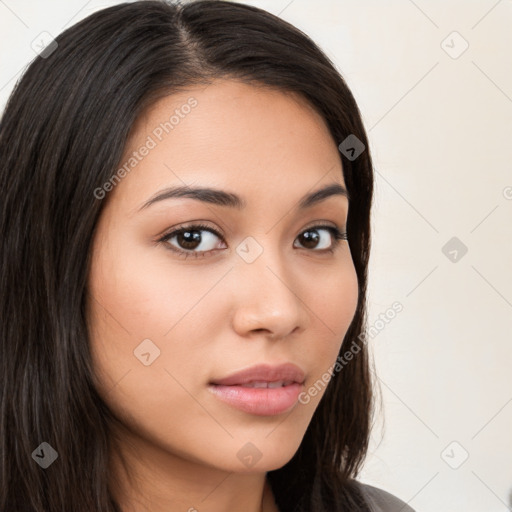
(261, 390)
(259, 398)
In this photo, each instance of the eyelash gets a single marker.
(337, 236)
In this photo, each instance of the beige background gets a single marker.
(440, 123)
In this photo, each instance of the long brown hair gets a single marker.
(62, 136)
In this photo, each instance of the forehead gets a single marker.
(229, 135)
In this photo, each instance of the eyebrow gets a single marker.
(222, 198)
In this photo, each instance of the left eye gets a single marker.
(189, 239)
(311, 236)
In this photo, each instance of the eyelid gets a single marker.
(320, 223)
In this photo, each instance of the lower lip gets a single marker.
(260, 401)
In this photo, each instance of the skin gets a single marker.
(214, 315)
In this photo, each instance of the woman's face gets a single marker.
(266, 290)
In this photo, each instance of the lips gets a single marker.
(261, 390)
(264, 375)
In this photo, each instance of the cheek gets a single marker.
(135, 297)
(149, 334)
(144, 293)
(335, 299)
(333, 304)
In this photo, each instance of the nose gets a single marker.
(265, 298)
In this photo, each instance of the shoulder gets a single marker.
(382, 501)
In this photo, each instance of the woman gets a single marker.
(186, 197)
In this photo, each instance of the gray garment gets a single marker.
(382, 501)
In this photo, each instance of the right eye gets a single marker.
(188, 240)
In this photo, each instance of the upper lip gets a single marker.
(265, 373)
